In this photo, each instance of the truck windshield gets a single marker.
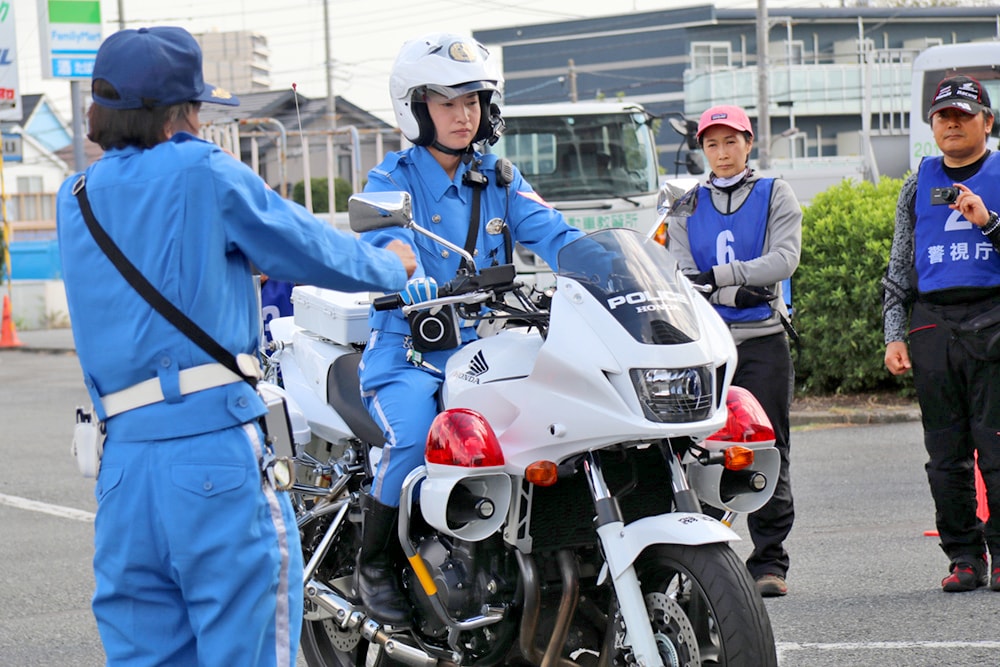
(587, 156)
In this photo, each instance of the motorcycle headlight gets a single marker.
(674, 395)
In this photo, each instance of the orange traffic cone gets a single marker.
(8, 334)
(982, 508)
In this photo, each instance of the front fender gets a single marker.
(623, 543)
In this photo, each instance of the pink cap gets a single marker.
(725, 114)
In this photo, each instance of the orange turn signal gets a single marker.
(542, 473)
(738, 458)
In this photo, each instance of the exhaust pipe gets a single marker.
(532, 610)
(349, 618)
(567, 605)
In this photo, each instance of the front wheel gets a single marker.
(704, 608)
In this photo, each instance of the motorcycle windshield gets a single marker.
(635, 278)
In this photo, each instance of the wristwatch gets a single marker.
(992, 224)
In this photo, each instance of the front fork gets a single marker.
(611, 530)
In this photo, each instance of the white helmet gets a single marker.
(450, 65)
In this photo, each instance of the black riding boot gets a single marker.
(376, 570)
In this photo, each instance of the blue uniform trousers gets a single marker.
(196, 561)
(403, 401)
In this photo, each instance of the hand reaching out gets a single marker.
(405, 254)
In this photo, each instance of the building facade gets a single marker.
(838, 78)
(236, 60)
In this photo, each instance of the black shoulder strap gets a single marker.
(477, 181)
(146, 290)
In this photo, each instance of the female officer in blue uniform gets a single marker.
(443, 87)
(197, 561)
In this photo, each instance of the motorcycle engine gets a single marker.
(463, 584)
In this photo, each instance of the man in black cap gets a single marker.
(942, 293)
(197, 558)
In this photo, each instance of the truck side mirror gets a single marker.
(688, 129)
(694, 164)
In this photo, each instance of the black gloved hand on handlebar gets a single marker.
(706, 278)
(748, 296)
(704, 282)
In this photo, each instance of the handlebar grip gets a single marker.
(387, 302)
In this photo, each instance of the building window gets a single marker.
(786, 53)
(29, 202)
(711, 55)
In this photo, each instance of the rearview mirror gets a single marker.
(378, 210)
(675, 198)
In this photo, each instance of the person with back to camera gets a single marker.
(197, 558)
(942, 292)
(742, 239)
(443, 90)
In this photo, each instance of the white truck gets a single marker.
(593, 161)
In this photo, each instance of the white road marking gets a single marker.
(789, 647)
(46, 508)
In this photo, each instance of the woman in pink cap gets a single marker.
(741, 241)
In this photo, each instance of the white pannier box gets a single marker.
(338, 316)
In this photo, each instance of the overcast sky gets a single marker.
(365, 34)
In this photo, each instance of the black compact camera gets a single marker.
(941, 196)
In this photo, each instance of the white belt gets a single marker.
(148, 392)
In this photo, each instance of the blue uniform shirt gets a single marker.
(191, 218)
(444, 206)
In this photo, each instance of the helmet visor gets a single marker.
(451, 92)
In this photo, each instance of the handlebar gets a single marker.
(387, 302)
(451, 292)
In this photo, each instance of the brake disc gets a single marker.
(672, 631)
(342, 640)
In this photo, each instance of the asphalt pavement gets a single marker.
(864, 577)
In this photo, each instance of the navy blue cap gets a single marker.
(154, 67)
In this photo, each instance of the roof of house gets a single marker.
(281, 106)
(28, 105)
(91, 153)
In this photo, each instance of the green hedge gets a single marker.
(320, 194)
(836, 291)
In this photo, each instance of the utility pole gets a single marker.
(572, 81)
(763, 99)
(331, 107)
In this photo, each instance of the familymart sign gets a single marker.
(70, 34)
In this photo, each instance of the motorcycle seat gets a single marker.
(343, 393)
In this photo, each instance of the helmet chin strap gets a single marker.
(464, 153)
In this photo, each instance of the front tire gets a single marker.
(705, 591)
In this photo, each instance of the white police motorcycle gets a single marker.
(558, 519)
